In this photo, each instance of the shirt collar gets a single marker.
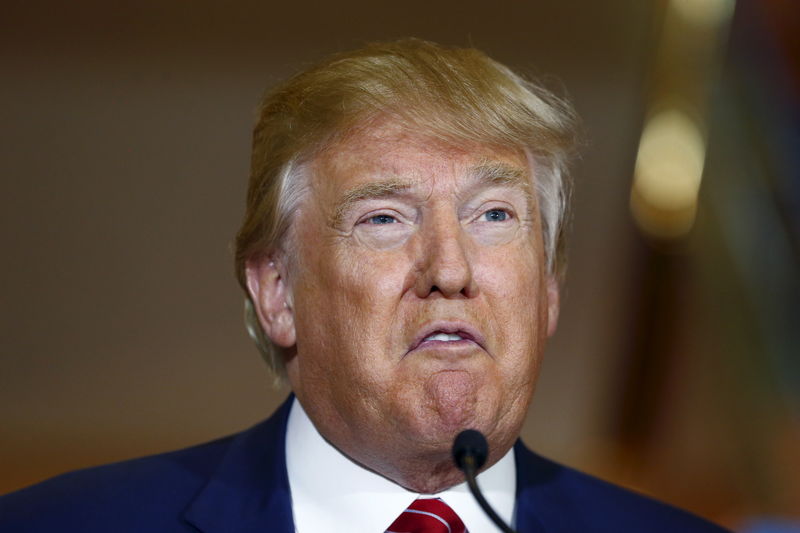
(328, 488)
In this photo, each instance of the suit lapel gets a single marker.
(249, 491)
(535, 478)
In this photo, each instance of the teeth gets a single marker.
(446, 337)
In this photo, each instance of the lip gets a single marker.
(467, 331)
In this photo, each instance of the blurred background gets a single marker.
(124, 152)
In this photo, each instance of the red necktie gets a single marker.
(428, 515)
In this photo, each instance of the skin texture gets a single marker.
(400, 236)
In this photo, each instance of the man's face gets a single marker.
(418, 298)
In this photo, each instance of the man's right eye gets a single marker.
(382, 231)
(381, 219)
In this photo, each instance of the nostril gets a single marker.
(435, 289)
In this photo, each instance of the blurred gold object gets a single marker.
(672, 148)
(703, 12)
(669, 168)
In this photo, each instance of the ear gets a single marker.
(553, 305)
(272, 299)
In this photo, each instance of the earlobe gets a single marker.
(271, 299)
(553, 305)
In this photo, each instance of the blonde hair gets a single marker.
(453, 94)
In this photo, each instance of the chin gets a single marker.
(432, 421)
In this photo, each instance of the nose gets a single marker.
(444, 265)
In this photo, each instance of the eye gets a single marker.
(381, 219)
(496, 221)
(496, 215)
(383, 229)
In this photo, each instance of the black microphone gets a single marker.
(470, 451)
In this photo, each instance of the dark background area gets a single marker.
(124, 145)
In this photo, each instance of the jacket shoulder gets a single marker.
(146, 494)
(561, 499)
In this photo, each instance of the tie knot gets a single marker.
(428, 515)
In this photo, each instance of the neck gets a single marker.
(425, 476)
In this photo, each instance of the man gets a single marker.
(401, 255)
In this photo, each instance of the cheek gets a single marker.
(346, 301)
(372, 280)
(510, 274)
(511, 282)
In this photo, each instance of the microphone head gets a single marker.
(470, 443)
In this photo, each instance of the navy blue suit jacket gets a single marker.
(239, 484)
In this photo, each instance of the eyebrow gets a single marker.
(489, 172)
(366, 191)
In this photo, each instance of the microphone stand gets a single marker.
(470, 450)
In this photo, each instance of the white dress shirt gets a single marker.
(332, 493)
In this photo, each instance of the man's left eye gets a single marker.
(495, 215)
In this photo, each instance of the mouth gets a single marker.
(447, 334)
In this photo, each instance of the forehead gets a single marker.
(393, 152)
